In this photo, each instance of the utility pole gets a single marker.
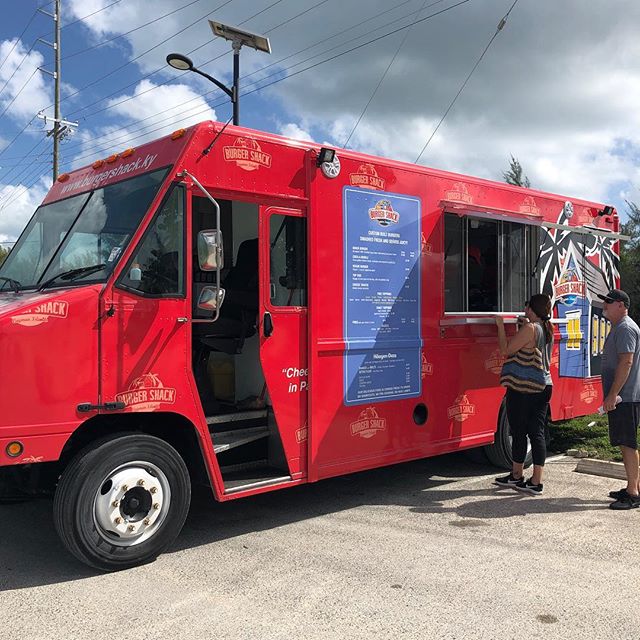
(56, 125)
(58, 128)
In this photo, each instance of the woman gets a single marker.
(527, 412)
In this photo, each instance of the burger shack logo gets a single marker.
(146, 393)
(426, 247)
(529, 206)
(368, 424)
(459, 193)
(427, 367)
(588, 394)
(383, 213)
(247, 154)
(462, 409)
(570, 286)
(302, 434)
(494, 362)
(367, 176)
(37, 315)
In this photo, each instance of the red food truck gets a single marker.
(236, 308)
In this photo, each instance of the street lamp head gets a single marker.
(239, 37)
(180, 62)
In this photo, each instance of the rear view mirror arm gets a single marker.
(195, 181)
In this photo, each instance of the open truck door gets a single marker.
(283, 327)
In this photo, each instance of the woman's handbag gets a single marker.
(524, 372)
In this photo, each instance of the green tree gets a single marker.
(4, 252)
(630, 258)
(515, 174)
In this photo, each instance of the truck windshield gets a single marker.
(82, 231)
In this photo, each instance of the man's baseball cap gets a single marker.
(616, 295)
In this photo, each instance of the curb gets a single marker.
(601, 468)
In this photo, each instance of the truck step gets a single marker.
(242, 480)
(226, 440)
(239, 416)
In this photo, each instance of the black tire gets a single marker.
(156, 505)
(499, 453)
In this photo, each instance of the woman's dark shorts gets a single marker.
(623, 424)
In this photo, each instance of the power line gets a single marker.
(93, 13)
(10, 199)
(10, 78)
(80, 109)
(126, 64)
(19, 38)
(272, 64)
(111, 73)
(26, 55)
(258, 88)
(126, 33)
(26, 126)
(19, 175)
(175, 79)
(499, 28)
(19, 92)
(384, 75)
(306, 48)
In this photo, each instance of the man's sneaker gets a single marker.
(507, 481)
(529, 487)
(625, 503)
(619, 495)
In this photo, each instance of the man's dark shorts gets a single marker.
(623, 424)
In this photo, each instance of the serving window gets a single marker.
(488, 264)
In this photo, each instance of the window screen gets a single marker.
(454, 264)
(488, 264)
(288, 261)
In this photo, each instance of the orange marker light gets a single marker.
(63, 178)
(14, 449)
(127, 152)
(178, 134)
(97, 164)
(111, 159)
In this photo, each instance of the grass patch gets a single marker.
(577, 434)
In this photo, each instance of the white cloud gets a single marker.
(25, 91)
(17, 204)
(559, 88)
(292, 130)
(152, 114)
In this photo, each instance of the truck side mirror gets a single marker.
(211, 299)
(210, 250)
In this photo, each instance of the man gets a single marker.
(621, 377)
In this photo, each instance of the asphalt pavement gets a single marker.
(427, 549)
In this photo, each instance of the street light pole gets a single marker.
(238, 38)
(236, 82)
(182, 63)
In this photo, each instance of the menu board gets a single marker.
(381, 296)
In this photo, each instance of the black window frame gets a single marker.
(531, 246)
(288, 307)
(127, 267)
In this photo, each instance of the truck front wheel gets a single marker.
(122, 501)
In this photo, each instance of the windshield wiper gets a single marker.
(72, 274)
(14, 284)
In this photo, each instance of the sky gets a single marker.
(558, 88)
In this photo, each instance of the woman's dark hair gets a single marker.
(540, 304)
